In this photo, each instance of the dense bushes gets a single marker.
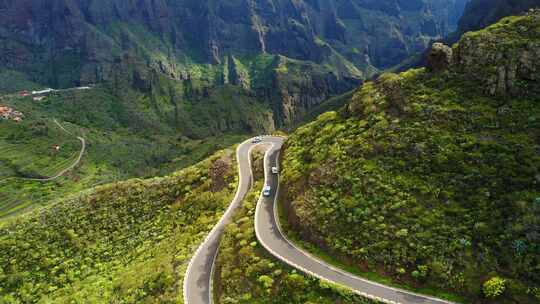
(424, 179)
(128, 242)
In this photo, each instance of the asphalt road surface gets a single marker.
(198, 278)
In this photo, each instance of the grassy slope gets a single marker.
(425, 180)
(128, 242)
(124, 139)
(247, 273)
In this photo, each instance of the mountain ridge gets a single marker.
(71, 42)
(480, 13)
(430, 177)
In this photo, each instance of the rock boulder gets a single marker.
(439, 57)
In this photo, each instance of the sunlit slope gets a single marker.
(127, 242)
(431, 179)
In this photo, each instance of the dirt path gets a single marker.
(72, 166)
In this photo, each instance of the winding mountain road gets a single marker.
(198, 278)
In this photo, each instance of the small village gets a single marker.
(7, 113)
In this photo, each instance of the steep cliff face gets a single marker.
(66, 42)
(506, 65)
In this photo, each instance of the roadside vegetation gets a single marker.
(247, 273)
(127, 242)
(428, 181)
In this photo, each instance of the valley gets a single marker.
(116, 149)
(163, 97)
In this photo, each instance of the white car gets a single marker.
(275, 170)
(256, 140)
(266, 191)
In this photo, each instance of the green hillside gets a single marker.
(126, 242)
(127, 135)
(131, 242)
(431, 179)
(247, 274)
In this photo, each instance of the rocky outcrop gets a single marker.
(237, 75)
(439, 57)
(299, 87)
(503, 57)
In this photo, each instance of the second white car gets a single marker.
(267, 191)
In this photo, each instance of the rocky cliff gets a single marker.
(503, 56)
(506, 65)
(66, 42)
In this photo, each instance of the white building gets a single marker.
(45, 91)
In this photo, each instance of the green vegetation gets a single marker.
(12, 81)
(131, 135)
(372, 275)
(38, 158)
(27, 151)
(127, 242)
(247, 273)
(494, 287)
(424, 179)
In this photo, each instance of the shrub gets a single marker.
(494, 287)
(266, 281)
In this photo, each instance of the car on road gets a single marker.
(275, 170)
(266, 191)
(256, 140)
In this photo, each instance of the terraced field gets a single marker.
(36, 157)
(32, 158)
(117, 146)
